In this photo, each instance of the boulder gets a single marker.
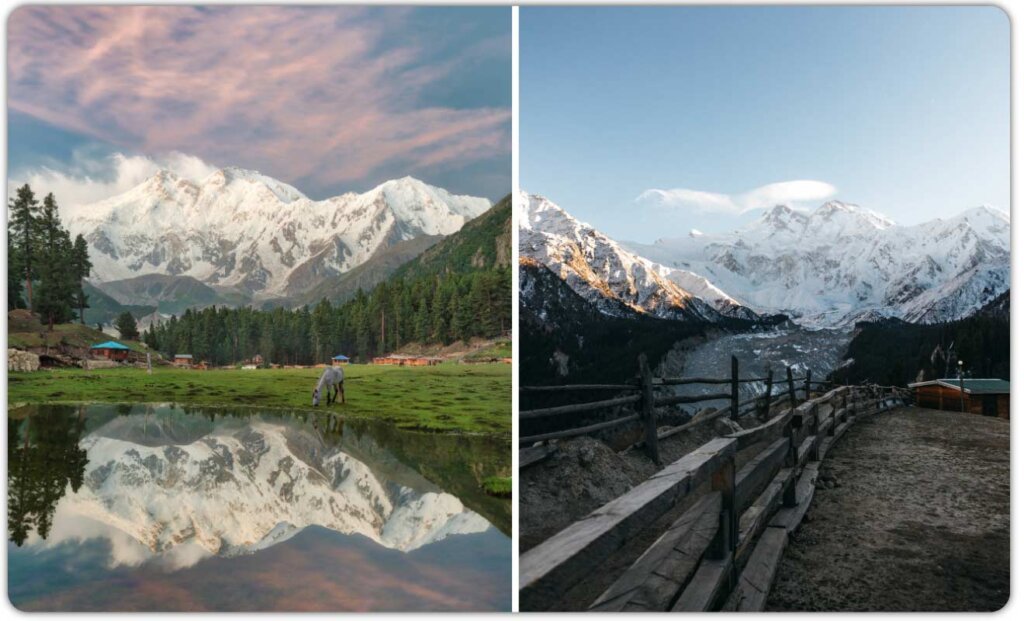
(18, 360)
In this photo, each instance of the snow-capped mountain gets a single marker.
(841, 263)
(176, 488)
(241, 231)
(611, 277)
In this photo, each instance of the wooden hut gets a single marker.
(339, 360)
(987, 397)
(183, 360)
(111, 350)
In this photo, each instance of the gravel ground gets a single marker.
(912, 514)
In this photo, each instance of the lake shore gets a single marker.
(444, 398)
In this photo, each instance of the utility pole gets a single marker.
(960, 373)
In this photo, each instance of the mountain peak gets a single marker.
(782, 218)
(229, 175)
(837, 209)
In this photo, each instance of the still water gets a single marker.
(163, 508)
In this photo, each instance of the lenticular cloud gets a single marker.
(783, 192)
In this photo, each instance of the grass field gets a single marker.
(498, 486)
(444, 398)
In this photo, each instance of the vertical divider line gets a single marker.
(515, 309)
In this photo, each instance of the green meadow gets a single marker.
(443, 398)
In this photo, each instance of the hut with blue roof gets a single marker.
(339, 360)
(111, 350)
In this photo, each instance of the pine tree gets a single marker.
(126, 325)
(56, 277)
(81, 266)
(320, 329)
(24, 229)
(14, 274)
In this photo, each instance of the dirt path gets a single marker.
(918, 519)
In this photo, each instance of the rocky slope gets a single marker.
(610, 277)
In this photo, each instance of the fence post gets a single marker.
(816, 432)
(789, 492)
(768, 395)
(734, 405)
(724, 481)
(647, 410)
(807, 386)
(792, 389)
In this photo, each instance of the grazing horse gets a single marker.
(332, 377)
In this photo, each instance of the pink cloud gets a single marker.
(322, 94)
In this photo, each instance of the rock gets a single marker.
(586, 456)
(18, 360)
(98, 364)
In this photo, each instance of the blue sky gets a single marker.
(647, 122)
(329, 99)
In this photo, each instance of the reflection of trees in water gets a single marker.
(43, 458)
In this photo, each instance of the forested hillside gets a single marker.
(483, 243)
(895, 352)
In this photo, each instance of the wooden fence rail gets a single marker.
(721, 552)
(646, 401)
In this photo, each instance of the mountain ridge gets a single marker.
(238, 229)
(828, 267)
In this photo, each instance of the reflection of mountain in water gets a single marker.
(185, 487)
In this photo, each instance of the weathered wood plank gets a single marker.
(579, 387)
(534, 454)
(578, 407)
(705, 587)
(680, 381)
(553, 566)
(755, 519)
(654, 579)
(768, 431)
(579, 431)
(758, 472)
(790, 517)
(697, 420)
(678, 399)
(755, 582)
(806, 448)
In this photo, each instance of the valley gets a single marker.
(794, 284)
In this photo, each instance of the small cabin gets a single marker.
(111, 350)
(339, 360)
(183, 360)
(986, 397)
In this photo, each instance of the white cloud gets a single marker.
(88, 178)
(763, 197)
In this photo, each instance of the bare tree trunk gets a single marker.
(28, 287)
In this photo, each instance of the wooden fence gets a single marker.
(644, 401)
(722, 550)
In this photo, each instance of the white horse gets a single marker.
(332, 377)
